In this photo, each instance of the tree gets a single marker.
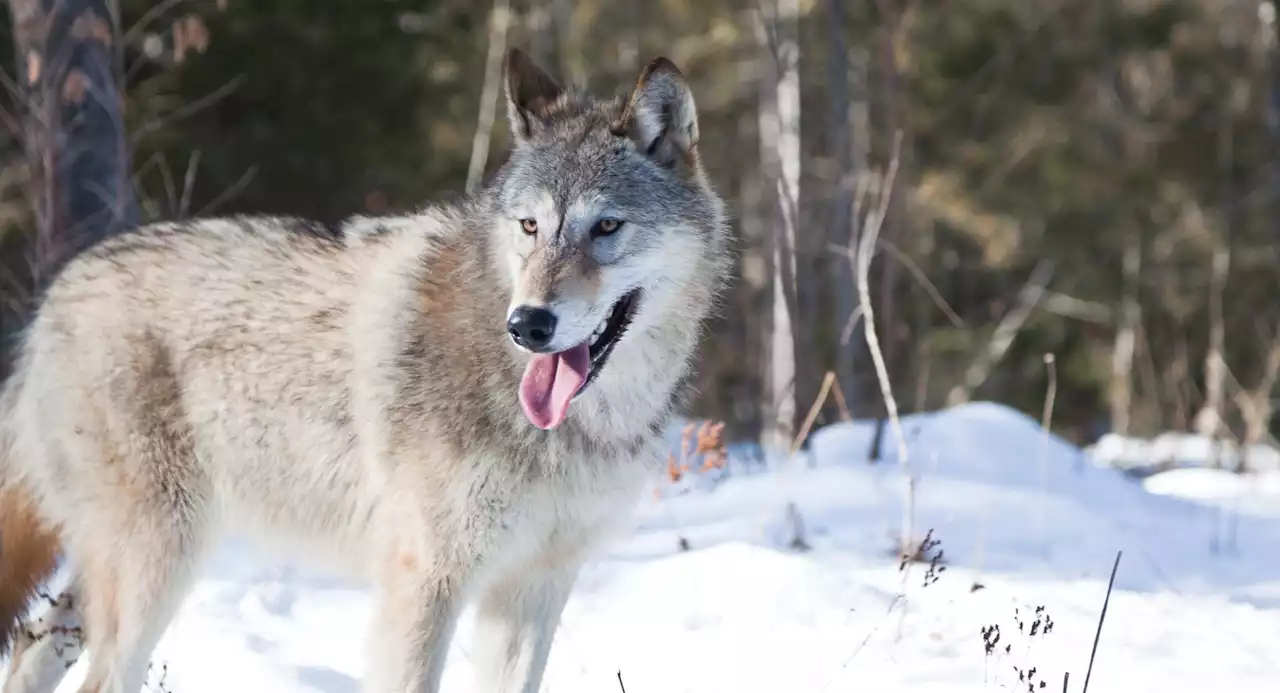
(67, 114)
(73, 125)
(848, 106)
(780, 145)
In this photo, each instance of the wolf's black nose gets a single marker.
(531, 327)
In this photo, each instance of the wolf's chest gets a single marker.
(568, 494)
(514, 514)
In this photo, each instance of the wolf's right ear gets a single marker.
(660, 117)
(530, 91)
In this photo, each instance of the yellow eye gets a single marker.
(604, 227)
(530, 226)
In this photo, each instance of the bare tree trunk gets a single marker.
(1209, 421)
(1255, 405)
(1273, 105)
(767, 130)
(778, 126)
(1258, 403)
(893, 102)
(1174, 383)
(848, 116)
(1121, 390)
(786, 139)
(756, 202)
(1209, 418)
(499, 19)
(73, 125)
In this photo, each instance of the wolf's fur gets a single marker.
(352, 392)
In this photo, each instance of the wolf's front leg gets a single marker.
(416, 614)
(516, 621)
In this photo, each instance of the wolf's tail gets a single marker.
(29, 548)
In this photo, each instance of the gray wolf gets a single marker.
(456, 405)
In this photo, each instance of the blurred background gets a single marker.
(1089, 179)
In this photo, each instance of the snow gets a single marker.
(1198, 469)
(1033, 520)
(1253, 494)
(1176, 449)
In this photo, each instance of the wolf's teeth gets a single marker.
(599, 331)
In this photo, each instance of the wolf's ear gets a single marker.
(661, 116)
(529, 90)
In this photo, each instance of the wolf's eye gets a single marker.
(530, 226)
(604, 227)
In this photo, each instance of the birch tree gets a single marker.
(780, 149)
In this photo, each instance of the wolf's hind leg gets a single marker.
(139, 503)
(131, 592)
(516, 621)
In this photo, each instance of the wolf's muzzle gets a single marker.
(531, 327)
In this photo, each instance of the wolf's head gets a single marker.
(608, 233)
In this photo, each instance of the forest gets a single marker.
(1073, 201)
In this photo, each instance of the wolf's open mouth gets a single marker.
(608, 333)
(552, 381)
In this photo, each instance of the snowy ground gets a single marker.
(1198, 469)
(1179, 450)
(1031, 519)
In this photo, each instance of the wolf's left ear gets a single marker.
(530, 91)
(661, 116)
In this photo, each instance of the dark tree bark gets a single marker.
(1273, 114)
(846, 294)
(72, 126)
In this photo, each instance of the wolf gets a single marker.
(458, 405)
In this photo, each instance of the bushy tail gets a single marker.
(28, 557)
(29, 549)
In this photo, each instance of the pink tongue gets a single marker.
(550, 381)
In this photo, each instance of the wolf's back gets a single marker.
(105, 327)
